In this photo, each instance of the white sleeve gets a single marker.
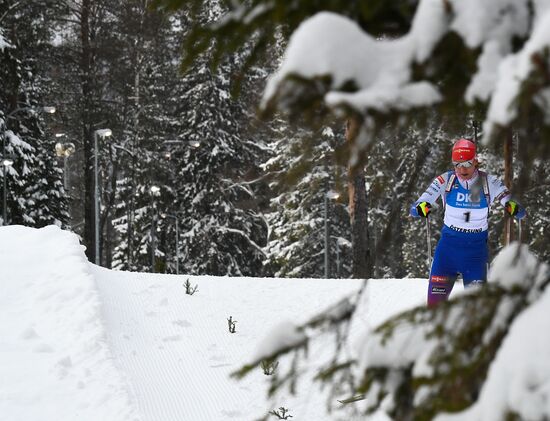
(497, 190)
(435, 189)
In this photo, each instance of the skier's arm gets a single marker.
(422, 206)
(500, 193)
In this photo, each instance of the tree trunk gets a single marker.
(86, 86)
(361, 264)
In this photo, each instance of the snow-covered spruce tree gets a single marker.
(206, 187)
(536, 196)
(302, 179)
(224, 233)
(35, 188)
(145, 76)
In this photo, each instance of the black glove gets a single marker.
(423, 209)
(515, 209)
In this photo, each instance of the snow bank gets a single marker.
(55, 361)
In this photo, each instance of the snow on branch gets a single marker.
(331, 47)
(330, 60)
(3, 43)
(287, 337)
(244, 235)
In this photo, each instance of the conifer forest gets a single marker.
(139, 125)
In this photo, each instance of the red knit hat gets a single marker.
(463, 150)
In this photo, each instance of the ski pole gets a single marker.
(429, 242)
(508, 227)
(519, 230)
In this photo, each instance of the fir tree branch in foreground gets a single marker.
(425, 361)
(288, 338)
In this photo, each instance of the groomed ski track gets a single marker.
(177, 353)
(80, 342)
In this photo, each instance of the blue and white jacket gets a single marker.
(466, 202)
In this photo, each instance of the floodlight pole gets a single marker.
(103, 133)
(177, 247)
(153, 228)
(6, 162)
(178, 142)
(96, 202)
(326, 238)
(5, 208)
(65, 150)
(153, 190)
(4, 174)
(337, 258)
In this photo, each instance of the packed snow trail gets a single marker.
(79, 342)
(176, 349)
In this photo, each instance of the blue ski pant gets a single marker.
(457, 253)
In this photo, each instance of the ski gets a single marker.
(352, 399)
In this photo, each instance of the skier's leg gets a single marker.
(442, 276)
(474, 266)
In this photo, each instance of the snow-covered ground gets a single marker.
(79, 342)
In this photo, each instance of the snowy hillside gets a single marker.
(82, 342)
(79, 342)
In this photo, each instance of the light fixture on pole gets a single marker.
(155, 190)
(64, 150)
(103, 133)
(49, 110)
(191, 143)
(176, 142)
(341, 244)
(176, 220)
(330, 195)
